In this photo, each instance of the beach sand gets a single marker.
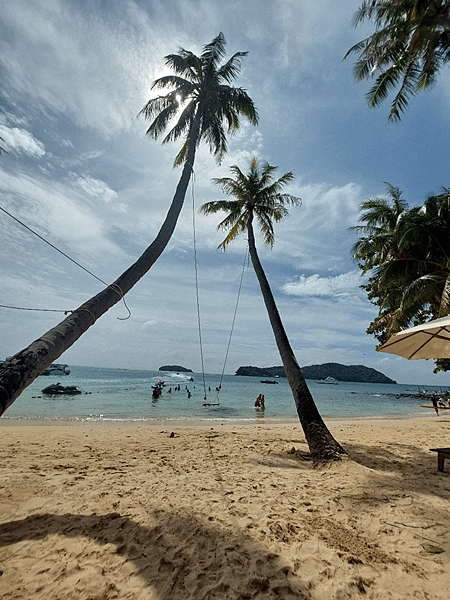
(97, 512)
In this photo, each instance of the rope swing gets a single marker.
(245, 263)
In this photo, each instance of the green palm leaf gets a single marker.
(410, 44)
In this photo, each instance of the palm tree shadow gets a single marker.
(414, 468)
(178, 557)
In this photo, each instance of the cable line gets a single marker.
(52, 246)
(113, 286)
(37, 309)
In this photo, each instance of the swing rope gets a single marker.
(196, 286)
(245, 263)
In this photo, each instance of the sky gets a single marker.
(81, 172)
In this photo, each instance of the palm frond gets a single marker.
(183, 124)
(444, 307)
(181, 157)
(409, 87)
(161, 121)
(184, 64)
(384, 84)
(174, 81)
(232, 68)
(234, 231)
(213, 52)
(156, 105)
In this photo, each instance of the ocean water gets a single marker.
(126, 395)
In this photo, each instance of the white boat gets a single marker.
(330, 380)
(57, 369)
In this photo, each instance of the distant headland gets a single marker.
(176, 368)
(356, 373)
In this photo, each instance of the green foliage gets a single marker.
(199, 89)
(255, 194)
(442, 364)
(406, 251)
(411, 42)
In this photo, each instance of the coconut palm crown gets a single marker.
(411, 42)
(199, 87)
(254, 194)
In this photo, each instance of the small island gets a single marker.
(355, 373)
(175, 368)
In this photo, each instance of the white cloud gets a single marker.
(315, 285)
(19, 140)
(95, 188)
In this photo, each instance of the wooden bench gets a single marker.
(443, 453)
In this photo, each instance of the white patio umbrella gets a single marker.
(430, 340)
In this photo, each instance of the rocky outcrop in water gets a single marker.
(175, 368)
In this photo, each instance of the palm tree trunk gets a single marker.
(22, 369)
(322, 445)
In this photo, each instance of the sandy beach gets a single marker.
(98, 512)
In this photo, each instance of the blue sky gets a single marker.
(81, 172)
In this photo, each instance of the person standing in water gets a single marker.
(260, 402)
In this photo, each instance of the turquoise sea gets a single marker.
(126, 395)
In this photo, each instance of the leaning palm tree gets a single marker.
(257, 195)
(199, 90)
(410, 44)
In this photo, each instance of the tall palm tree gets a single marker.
(256, 195)
(199, 90)
(410, 44)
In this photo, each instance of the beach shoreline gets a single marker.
(183, 423)
(107, 510)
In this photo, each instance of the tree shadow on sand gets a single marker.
(410, 469)
(173, 558)
(397, 458)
